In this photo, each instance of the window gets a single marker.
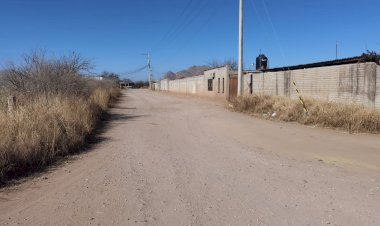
(218, 85)
(222, 85)
(210, 85)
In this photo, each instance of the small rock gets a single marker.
(45, 178)
(274, 114)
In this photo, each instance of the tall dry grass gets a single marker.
(350, 117)
(34, 135)
(48, 121)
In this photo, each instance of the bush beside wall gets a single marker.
(350, 117)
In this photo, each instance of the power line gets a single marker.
(194, 12)
(134, 71)
(200, 28)
(273, 30)
(260, 19)
(193, 15)
(283, 56)
(174, 25)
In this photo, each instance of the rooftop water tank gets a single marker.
(262, 62)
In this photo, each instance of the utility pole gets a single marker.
(240, 63)
(149, 71)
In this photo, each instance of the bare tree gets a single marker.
(372, 55)
(189, 72)
(37, 74)
(230, 61)
(214, 63)
(170, 75)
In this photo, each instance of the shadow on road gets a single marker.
(107, 121)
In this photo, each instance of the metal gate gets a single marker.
(233, 87)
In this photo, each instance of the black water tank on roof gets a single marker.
(261, 62)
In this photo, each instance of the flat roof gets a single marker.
(359, 59)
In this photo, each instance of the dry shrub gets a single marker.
(34, 135)
(351, 117)
(3, 100)
(56, 110)
(104, 93)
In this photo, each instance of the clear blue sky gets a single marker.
(181, 33)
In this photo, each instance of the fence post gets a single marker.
(11, 104)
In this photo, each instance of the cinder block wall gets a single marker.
(354, 83)
(351, 83)
(198, 85)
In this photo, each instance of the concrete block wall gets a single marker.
(164, 85)
(270, 83)
(353, 83)
(198, 85)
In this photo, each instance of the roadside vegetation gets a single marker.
(200, 69)
(350, 117)
(47, 110)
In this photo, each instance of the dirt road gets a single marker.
(166, 160)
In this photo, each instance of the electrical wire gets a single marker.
(174, 26)
(283, 55)
(193, 15)
(261, 21)
(200, 28)
(279, 45)
(194, 12)
(124, 75)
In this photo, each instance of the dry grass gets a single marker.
(56, 110)
(49, 127)
(350, 117)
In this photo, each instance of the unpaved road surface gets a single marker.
(167, 160)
